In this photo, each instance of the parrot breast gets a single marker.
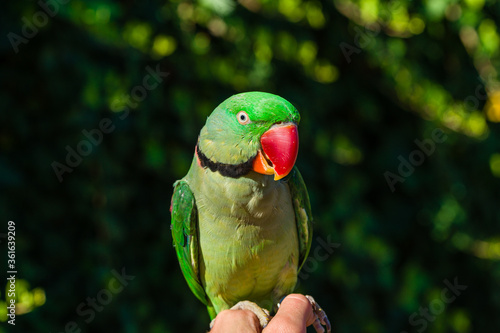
(247, 236)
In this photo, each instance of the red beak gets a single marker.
(280, 146)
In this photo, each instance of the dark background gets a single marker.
(369, 78)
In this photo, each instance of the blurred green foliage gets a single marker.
(369, 78)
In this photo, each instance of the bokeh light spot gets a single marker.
(495, 164)
(164, 45)
(416, 25)
(307, 52)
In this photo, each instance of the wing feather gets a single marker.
(185, 235)
(303, 214)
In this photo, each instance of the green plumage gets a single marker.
(241, 238)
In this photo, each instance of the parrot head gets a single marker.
(250, 131)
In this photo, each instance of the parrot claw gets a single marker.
(262, 314)
(321, 318)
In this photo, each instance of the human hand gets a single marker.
(294, 315)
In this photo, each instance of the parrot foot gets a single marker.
(262, 314)
(321, 318)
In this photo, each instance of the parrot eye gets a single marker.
(243, 118)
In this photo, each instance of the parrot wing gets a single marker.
(185, 234)
(303, 214)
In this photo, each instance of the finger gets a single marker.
(229, 321)
(294, 315)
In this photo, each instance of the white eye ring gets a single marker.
(243, 118)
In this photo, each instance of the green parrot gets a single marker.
(241, 217)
